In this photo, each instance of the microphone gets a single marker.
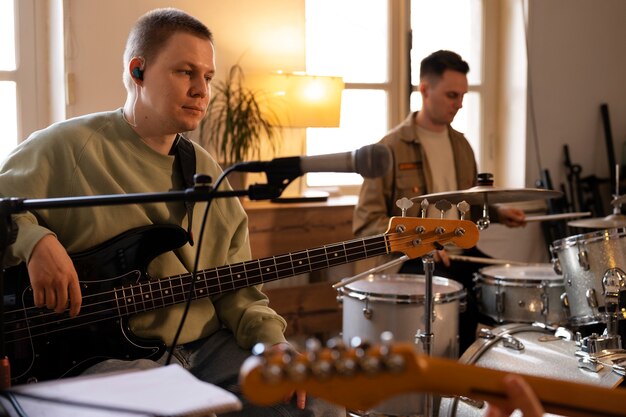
(369, 161)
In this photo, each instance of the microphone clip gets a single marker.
(276, 184)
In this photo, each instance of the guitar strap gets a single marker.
(185, 159)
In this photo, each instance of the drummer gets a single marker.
(430, 157)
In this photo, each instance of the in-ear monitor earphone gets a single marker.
(137, 73)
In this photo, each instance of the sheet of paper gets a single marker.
(163, 391)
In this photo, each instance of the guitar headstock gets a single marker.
(357, 378)
(417, 236)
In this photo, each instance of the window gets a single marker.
(363, 41)
(353, 46)
(8, 84)
(466, 38)
(18, 76)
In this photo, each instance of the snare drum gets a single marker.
(520, 294)
(395, 303)
(531, 350)
(589, 262)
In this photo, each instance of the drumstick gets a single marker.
(370, 271)
(479, 260)
(558, 216)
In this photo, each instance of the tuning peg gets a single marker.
(272, 371)
(356, 342)
(336, 343)
(321, 368)
(404, 204)
(370, 364)
(443, 206)
(259, 349)
(296, 370)
(336, 346)
(463, 208)
(344, 364)
(392, 361)
(424, 206)
(313, 346)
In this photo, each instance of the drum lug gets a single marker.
(565, 303)
(564, 333)
(511, 342)
(590, 363)
(486, 333)
(583, 260)
(612, 287)
(595, 343)
(545, 300)
(462, 306)
(592, 299)
(367, 311)
(500, 296)
(556, 265)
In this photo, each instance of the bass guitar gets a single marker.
(43, 345)
(360, 378)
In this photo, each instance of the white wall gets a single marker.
(262, 34)
(577, 60)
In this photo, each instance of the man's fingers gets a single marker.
(522, 396)
(301, 399)
(445, 258)
(76, 299)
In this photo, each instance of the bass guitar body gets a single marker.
(43, 345)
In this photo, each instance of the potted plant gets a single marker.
(237, 122)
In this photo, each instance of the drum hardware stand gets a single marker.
(427, 338)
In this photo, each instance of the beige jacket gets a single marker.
(410, 176)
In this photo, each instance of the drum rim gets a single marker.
(590, 237)
(512, 267)
(476, 350)
(418, 299)
(556, 282)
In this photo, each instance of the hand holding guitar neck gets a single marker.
(361, 377)
(521, 397)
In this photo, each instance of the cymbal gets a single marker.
(478, 194)
(609, 222)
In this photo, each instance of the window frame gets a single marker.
(399, 88)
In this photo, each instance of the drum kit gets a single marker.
(559, 319)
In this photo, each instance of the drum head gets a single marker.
(562, 244)
(409, 288)
(533, 272)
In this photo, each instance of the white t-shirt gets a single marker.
(438, 151)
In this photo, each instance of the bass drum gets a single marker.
(532, 350)
(395, 303)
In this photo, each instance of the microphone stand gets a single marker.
(201, 191)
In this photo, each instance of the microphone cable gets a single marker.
(194, 272)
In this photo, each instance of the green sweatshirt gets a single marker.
(100, 154)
